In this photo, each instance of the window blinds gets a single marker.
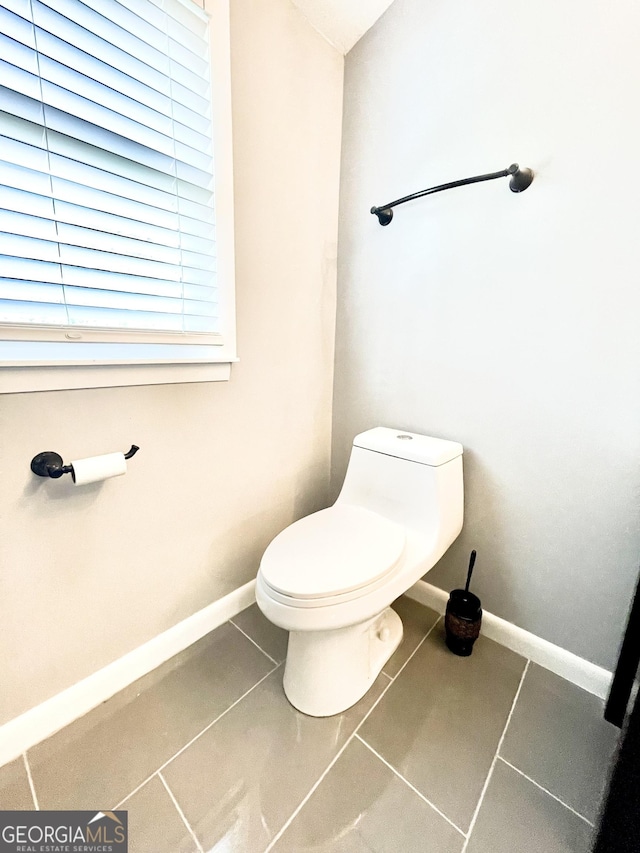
(107, 225)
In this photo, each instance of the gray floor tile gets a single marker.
(363, 807)
(417, 620)
(558, 737)
(240, 782)
(15, 792)
(154, 822)
(98, 760)
(517, 817)
(440, 722)
(269, 637)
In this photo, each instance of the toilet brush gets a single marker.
(463, 617)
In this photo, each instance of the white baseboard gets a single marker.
(578, 671)
(50, 716)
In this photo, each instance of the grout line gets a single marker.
(180, 812)
(30, 778)
(390, 677)
(287, 823)
(414, 789)
(495, 758)
(297, 810)
(546, 791)
(194, 739)
(253, 641)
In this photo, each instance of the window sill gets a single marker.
(16, 380)
(28, 368)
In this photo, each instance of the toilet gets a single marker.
(329, 579)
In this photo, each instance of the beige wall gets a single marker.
(508, 323)
(90, 573)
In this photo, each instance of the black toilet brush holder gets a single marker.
(463, 617)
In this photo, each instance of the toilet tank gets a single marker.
(411, 479)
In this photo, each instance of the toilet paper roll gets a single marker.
(96, 468)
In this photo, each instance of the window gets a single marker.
(116, 241)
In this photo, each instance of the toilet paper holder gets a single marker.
(49, 464)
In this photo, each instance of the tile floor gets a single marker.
(486, 754)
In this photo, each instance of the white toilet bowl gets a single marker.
(329, 578)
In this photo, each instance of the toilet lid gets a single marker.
(331, 552)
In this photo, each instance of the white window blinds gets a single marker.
(107, 225)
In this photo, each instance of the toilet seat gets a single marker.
(332, 553)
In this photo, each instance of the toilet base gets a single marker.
(327, 672)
